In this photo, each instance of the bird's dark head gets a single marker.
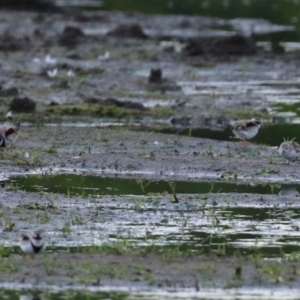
(37, 236)
(25, 237)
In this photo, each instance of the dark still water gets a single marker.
(279, 12)
(283, 12)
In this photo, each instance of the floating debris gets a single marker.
(172, 46)
(49, 60)
(232, 45)
(105, 56)
(181, 121)
(52, 73)
(22, 105)
(12, 91)
(37, 60)
(70, 73)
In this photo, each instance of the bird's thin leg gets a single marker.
(244, 144)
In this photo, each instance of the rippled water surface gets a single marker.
(209, 294)
(194, 216)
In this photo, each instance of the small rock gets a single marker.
(277, 48)
(125, 104)
(73, 55)
(113, 101)
(9, 92)
(185, 24)
(11, 43)
(222, 121)
(155, 76)
(233, 45)
(134, 105)
(71, 36)
(82, 17)
(128, 31)
(193, 48)
(22, 105)
(181, 121)
(93, 100)
(53, 103)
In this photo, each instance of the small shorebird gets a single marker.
(245, 129)
(8, 133)
(289, 150)
(32, 244)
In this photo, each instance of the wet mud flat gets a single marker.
(142, 154)
(196, 241)
(66, 77)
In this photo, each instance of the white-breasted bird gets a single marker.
(245, 129)
(32, 244)
(8, 134)
(289, 150)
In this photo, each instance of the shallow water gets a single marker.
(284, 12)
(193, 216)
(132, 294)
(266, 134)
(81, 185)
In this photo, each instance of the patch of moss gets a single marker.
(84, 109)
(197, 63)
(155, 94)
(248, 114)
(111, 111)
(45, 90)
(36, 117)
(144, 54)
(161, 112)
